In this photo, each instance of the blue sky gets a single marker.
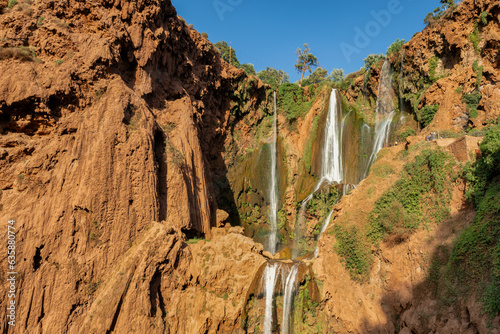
(340, 33)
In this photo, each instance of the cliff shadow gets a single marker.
(429, 306)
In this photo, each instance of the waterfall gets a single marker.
(290, 286)
(273, 191)
(270, 277)
(301, 221)
(323, 229)
(385, 112)
(332, 167)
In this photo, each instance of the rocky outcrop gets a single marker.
(113, 115)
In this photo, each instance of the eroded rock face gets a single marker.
(112, 115)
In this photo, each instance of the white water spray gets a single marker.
(270, 278)
(290, 287)
(323, 229)
(332, 167)
(385, 112)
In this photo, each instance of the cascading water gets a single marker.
(270, 277)
(385, 112)
(273, 194)
(332, 164)
(332, 170)
(290, 286)
(323, 229)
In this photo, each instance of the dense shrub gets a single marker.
(353, 250)
(292, 100)
(426, 114)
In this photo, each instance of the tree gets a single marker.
(316, 77)
(395, 47)
(227, 53)
(336, 76)
(273, 77)
(372, 60)
(249, 69)
(305, 61)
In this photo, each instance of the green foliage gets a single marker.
(401, 136)
(483, 17)
(472, 101)
(395, 47)
(39, 21)
(204, 34)
(426, 114)
(475, 257)
(305, 61)
(59, 61)
(373, 59)
(399, 209)
(475, 38)
(382, 170)
(193, 240)
(353, 249)
(316, 77)
(488, 166)
(336, 76)
(433, 63)
(227, 53)
(249, 69)
(273, 77)
(292, 100)
(479, 72)
(12, 3)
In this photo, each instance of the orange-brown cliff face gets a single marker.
(112, 115)
(454, 56)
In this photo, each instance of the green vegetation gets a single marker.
(354, 250)
(395, 47)
(472, 101)
(474, 262)
(194, 240)
(92, 287)
(249, 69)
(399, 211)
(433, 63)
(336, 76)
(447, 7)
(479, 72)
(475, 39)
(382, 170)
(273, 77)
(12, 3)
(483, 17)
(227, 53)
(293, 101)
(318, 76)
(39, 21)
(373, 59)
(426, 114)
(305, 61)
(401, 136)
